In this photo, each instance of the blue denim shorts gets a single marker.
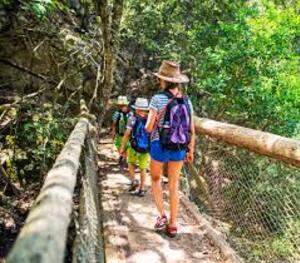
(164, 155)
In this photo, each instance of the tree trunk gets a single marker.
(110, 24)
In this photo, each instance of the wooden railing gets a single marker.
(264, 143)
(43, 237)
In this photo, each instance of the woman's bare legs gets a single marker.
(156, 173)
(174, 169)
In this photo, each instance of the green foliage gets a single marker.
(5, 2)
(42, 8)
(277, 248)
(45, 137)
(245, 56)
(36, 144)
(257, 78)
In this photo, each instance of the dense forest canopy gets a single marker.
(242, 56)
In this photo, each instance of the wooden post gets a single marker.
(264, 143)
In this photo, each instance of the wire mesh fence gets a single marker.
(88, 246)
(254, 199)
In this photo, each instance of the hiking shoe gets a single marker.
(124, 163)
(139, 193)
(134, 185)
(121, 160)
(171, 231)
(161, 223)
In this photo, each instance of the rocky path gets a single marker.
(128, 223)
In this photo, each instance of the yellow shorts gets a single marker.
(139, 159)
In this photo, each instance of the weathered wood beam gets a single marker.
(264, 143)
(43, 237)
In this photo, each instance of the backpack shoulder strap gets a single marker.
(187, 102)
(118, 121)
(134, 127)
(122, 113)
(119, 115)
(167, 93)
(173, 102)
(164, 110)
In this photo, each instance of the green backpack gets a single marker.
(121, 123)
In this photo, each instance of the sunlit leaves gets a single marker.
(41, 8)
(245, 54)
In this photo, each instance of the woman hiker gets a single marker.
(172, 130)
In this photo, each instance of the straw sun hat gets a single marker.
(170, 71)
(122, 100)
(141, 104)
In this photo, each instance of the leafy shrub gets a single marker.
(41, 8)
(36, 143)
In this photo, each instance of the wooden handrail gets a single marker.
(43, 237)
(264, 143)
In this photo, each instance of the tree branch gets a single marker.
(5, 177)
(24, 69)
(26, 97)
(96, 87)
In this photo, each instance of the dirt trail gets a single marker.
(128, 223)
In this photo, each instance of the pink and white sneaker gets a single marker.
(171, 231)
(161, 223)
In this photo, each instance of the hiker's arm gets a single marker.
(190, 154)
(151, 120)
(125, 140)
